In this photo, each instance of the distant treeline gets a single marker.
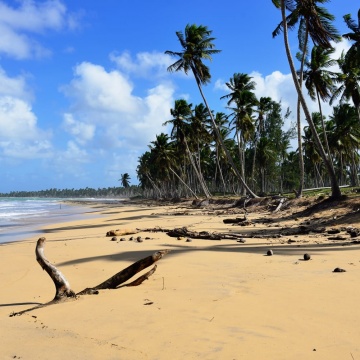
(109, 192)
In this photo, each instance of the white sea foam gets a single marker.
(20, 216)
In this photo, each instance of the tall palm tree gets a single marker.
(244, 99)
(320, 35)
(314, 21)
(319, 80)
(353, 54)
(197, 45)
(264, 105)
(125, 180)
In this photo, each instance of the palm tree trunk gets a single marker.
(298, 120)
(335, 189)
(217, 132)
(183, 182)
(198, 174)
(324, 130)
(219, 167)
(153, 183)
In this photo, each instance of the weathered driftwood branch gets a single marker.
(179, 232)
(120, 232)
(126, 274)
(205, 235)
(62, 286)
(281, 202)
(235, 220)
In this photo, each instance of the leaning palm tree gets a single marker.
(314, 21)
(181, 111)
(319, 36)
(197, 45)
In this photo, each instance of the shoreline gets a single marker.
(20, 229)
(210, 299)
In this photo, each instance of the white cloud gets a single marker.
(18, 25)
(17, 121)
(15, 87)
(106, 99)
(145, 63)
(26, 150)
(82, 132)
(280, 87)
(20, 136)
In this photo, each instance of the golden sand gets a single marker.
(208, 299)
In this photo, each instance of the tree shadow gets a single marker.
(178, 249)
(20, 304)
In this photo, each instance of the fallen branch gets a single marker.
(281, 202)
(205, 235)
(120, 232)
(62, 286)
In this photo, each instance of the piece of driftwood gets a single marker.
(235, 220)
(184, 232)
(205, 235)
(126, 274)
(120, 232)
(62, 286)
(281, 202)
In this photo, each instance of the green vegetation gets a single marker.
(110, 192)
(244, 149)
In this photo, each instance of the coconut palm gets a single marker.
(125, 180)
(181, 114)
(197, 45)
(319, 80)
(314, 21)
(353, 54)
(264, 106)
(320, 37)
(344, 139)
(244, 99)
(349, 83)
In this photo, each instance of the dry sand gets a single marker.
(208, 299)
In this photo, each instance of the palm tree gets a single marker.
(320, 37)
(125, 180)
(181, 113)
(264, 105)
(349, 80)
(353, 54)
(319, 80)
(244, 99)
(314, 21)
(197, 45)
(344, 139)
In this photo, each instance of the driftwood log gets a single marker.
(62, 286)
(205, 235)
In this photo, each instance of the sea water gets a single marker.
(21, 218)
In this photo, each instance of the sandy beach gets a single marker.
(208, 299)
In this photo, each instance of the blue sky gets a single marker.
(84, 86)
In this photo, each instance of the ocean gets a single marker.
(21, 218)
